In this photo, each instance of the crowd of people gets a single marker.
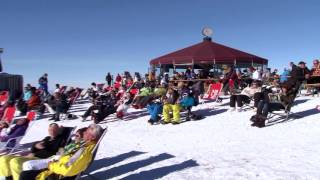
(167, 100)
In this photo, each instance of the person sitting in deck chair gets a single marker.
(103, 106)
(171, 104)
(3, 108)
(18, 129)
(141, 100)
(245, 97)
(123, 105)
(33, 103)
(27, 93)
(62, 105)
(73, 146)
(275, 101)
(189, 98)
(11, 165)
(4, 128)
(70, 164)
(93, 91)
(315, 74)
(51, 102)
(155, 105)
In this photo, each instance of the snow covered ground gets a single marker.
(221, 146)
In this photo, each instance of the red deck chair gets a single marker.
(62, 89)
(4, 96)
(9, 114)
(134, 91)
(31, 116)
(117, 85)
(212, 93)
(100, 86)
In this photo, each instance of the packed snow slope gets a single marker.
(223, 145)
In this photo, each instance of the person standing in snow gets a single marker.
(43, 84)
(109, 79)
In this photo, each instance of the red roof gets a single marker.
(208, 52)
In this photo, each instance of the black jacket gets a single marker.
(51, 147)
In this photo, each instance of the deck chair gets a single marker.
(134, 91)
(248, 106)
(314, 88)
(100, 86)
(72, 101)
(77, 177)
(117, 85)
(212, 94)
(5, 148)
(8, 114)
(31, 115)
(25, 148)
(84, 94)
(63, 89)
(284, 113)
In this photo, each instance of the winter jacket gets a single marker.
(187, 101)
(297, 75)
(27, 95)
(51, 146)
(146, 91)
(284, 76)
(70, 164)
(33, 101)
(43, 81)
(16, 131)
(173, 98)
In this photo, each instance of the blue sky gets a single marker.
(78, 41)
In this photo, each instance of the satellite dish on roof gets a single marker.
(207, 32)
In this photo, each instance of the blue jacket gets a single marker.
(284, 76)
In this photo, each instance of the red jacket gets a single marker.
(33, 101)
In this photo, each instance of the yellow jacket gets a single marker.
(62, 167)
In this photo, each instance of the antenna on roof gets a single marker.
(207, 32)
